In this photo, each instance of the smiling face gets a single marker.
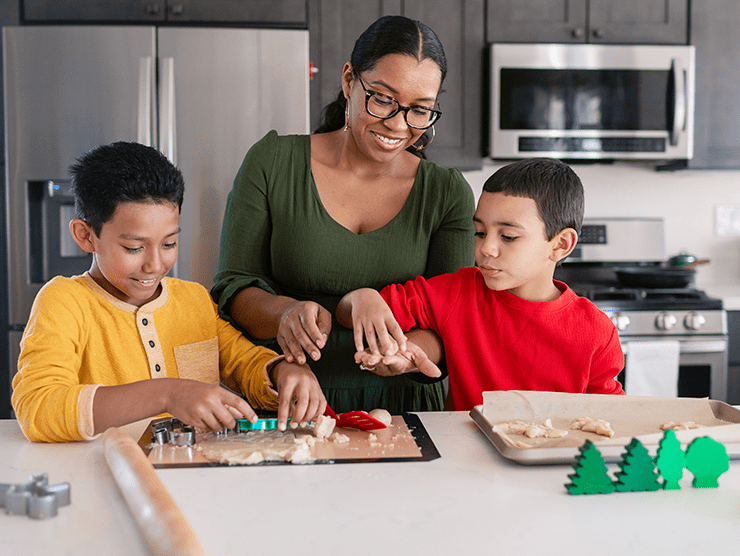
(512, 250)
(410, 82)
(135, 250)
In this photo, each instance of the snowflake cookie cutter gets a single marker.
(36, 498)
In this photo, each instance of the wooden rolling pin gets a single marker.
(163, 525)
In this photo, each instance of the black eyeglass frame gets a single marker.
(400, 108)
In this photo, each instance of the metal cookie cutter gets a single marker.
(36, 498)
(174, 432)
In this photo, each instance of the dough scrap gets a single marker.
(531, 430)
(683, 426)
(598, 426)
(324, 426)
(339, 438)
(381, 415)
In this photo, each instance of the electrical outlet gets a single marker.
(727, 220)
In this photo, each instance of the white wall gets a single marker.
(685, 199)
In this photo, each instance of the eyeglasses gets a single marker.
(384, 107)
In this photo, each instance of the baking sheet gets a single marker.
(630, 417)
(405, 439)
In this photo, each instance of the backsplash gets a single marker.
(686, 200)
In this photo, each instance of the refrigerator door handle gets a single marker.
(144, 119)
(167, 124)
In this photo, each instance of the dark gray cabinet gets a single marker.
(588, 21)
(334, 25)
(714, 25)
(282, 13)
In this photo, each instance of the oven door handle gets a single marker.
(678, 75)
(704, 346)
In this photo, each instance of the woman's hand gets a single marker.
(412, 359)
(304, 327)
(301, 397)
(368, 314)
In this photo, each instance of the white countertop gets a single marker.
(729, 294)
(469, 501)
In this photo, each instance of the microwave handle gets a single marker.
(679, 102)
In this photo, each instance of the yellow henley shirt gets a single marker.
(80, 337)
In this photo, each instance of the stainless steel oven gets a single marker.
(591, 101)
(686, 315)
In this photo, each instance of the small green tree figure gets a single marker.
(707, 459)
(590, 475)
(637, 470)
(670, 460)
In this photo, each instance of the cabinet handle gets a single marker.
(177, 9)
(598, 34)
(151, 8)
(577, 33)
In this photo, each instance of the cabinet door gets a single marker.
(273, 13)
(93, 10)
(459, 26)
(638, 21)
(334, 26)
(562, 21)
(714, 25)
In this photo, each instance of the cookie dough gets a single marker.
(381, 415)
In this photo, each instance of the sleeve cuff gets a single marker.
(85, 423)
(268, 367)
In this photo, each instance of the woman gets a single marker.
(311, 218)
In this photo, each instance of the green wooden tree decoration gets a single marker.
(590, 475)
(670, 460)
(707, 459)
(637, 470)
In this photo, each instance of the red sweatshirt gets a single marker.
(494, 340)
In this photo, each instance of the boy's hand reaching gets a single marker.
(301, 397)
(206, 406)
(366, 312)
(411, 360)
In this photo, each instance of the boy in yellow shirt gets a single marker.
(123, 341)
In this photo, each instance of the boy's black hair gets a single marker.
(109, 175)
(551, 183)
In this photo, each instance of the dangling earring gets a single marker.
(422, 147)
(347, 127)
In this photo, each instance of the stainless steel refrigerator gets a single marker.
(203, 96)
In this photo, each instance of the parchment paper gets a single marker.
(630, 417)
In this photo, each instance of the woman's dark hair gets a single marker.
(109, 175)
(391, 34)
(552, 184)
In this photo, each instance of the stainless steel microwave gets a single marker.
(592, 101)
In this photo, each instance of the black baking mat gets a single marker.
(413, 423)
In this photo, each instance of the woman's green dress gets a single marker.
(278, 236)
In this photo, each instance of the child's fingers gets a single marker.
(359, 334)
(395, 330)
(368, 359)
(240, 409)
(424, 364)
(284, 401)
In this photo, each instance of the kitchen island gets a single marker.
(469, 501)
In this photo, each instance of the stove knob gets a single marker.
(694, 321)
(665, 321)
(620, 321)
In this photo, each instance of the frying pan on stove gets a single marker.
(655, 276)
(679, 273)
